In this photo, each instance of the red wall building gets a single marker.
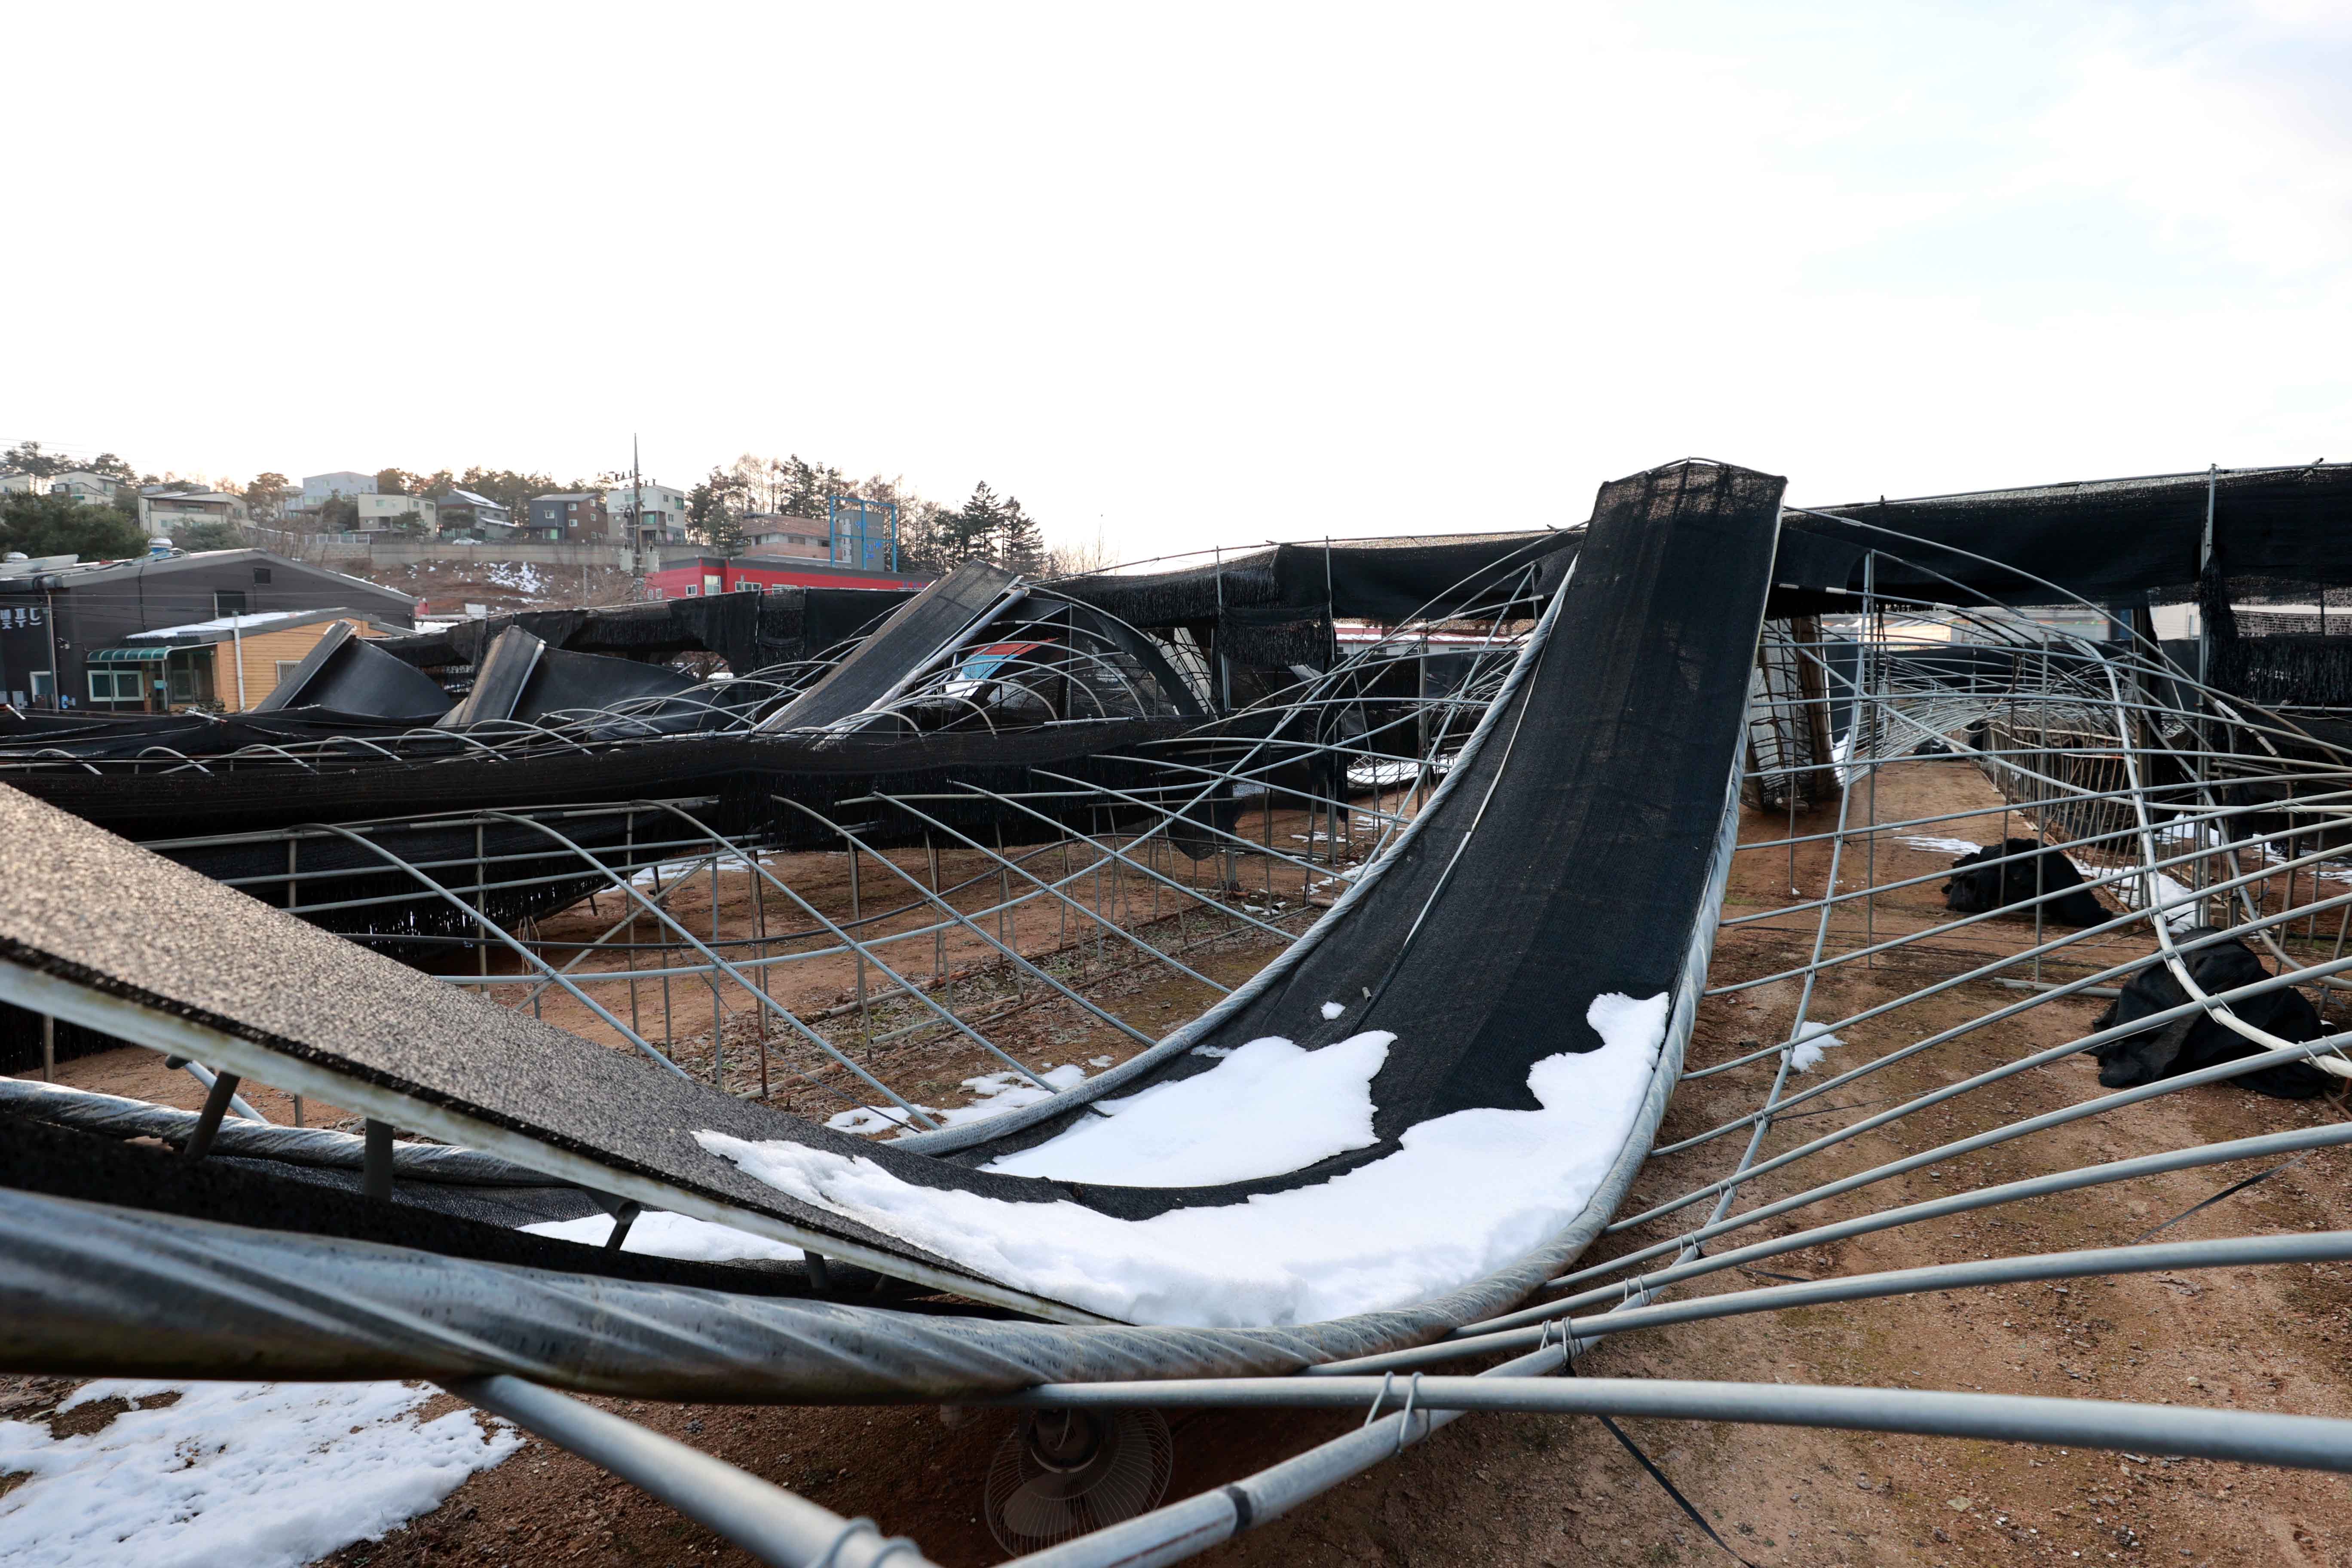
(716, 574)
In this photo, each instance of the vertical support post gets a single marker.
(718, 1012)
(1007, 928)
(1224, 664)
(759, 926)
(48, 1048)
(940, 934)
(1873, 649)
(857, 924)
(216, 1098)
(661, 961)
(375, 1161)
(481, 895)
(629, 941)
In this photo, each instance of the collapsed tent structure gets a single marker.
(1388, 1149)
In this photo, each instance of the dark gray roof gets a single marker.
(89, 572)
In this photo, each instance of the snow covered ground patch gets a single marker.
(521, 576)
(659, 1234)
(1811, 1043)
(2180, 904)
(669, 871)
(1271, 1106)
(1934, 846)
(992, 1095)
(261, 1475)
(1462, 1195)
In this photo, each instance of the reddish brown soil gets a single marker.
(1528, 1490)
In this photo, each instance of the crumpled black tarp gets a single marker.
(2111, 540)
(350, 674)
(1370, 580)
(749, 630)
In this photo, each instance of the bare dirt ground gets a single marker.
(1560, 1491)
(449, 586)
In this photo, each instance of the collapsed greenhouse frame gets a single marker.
(2205, 780)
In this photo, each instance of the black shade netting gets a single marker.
(1597, 796)
(2115, 541)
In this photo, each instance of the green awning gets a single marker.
(131, 654)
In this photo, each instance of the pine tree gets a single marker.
(972, 532)
(1020, 543)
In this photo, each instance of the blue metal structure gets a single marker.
(865, 533)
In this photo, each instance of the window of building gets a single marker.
(652, 592)
(116, 686)
(261, 577)
(44, 686)
(691, 589)
(229, 601)
(287, 667)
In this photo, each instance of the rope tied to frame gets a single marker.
(2231, 1191)
(1659, 1475)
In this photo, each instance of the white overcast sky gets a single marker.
(1192, 274)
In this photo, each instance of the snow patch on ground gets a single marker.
(261, 1475)
(2178, 901)
(1462, 1195)
(659, 1234)
(669, 871)
(1811, 1042)
(1269, 1108)
(1331, 1010)
(1934, 846)
(520, 575)
(992, 1095)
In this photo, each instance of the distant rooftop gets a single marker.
(228, 626)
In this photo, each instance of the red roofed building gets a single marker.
(707, 574)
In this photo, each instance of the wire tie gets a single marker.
(1405, 1423)
(1386, 1378)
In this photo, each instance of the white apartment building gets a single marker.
(378, 512)
(663, 518)
(92, 489)
(318, 488)
(164, 513)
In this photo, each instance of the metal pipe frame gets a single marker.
(1894, 708)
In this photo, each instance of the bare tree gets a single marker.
(1074, 557)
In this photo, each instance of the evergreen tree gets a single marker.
(972, 532)
(1020, 543)
(61, 525)
(803, 487)
(29, 457)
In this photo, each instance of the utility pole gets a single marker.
(636, 515)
